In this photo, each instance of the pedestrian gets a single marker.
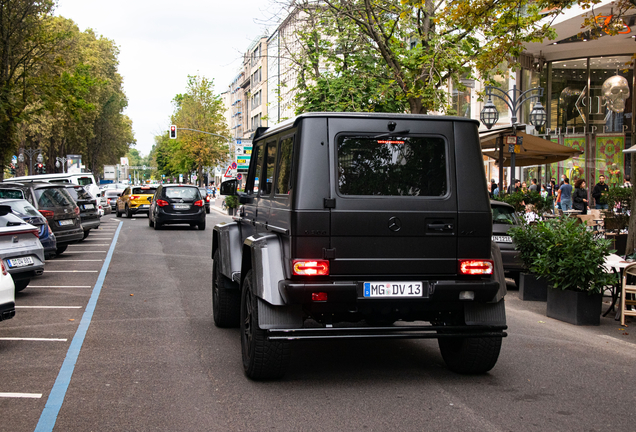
(524, 188)
(626, 181)
(579, 196)
(598, 193)
(531, 215)
(544, 192)
(533, 187)
(565, 195)
(551, 187)
(493, 187)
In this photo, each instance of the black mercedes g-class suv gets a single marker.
(351, 222)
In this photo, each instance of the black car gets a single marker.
(89, 210)
(54, 203)
(206, 198)
(361, 217)
(504, 218)
(177, 204)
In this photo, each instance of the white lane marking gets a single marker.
(82, 252)
(48, 307)
(21, 395)
(60, 286)
(72, 271)
(72, 260)
(90, 244)
(33, 339)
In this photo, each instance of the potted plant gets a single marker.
(572, 263)
(529, 240)
(231, 202)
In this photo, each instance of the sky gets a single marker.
(162, 42)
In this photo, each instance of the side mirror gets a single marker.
(229, 187)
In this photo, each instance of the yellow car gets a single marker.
(135, 199)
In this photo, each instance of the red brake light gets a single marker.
(162, 203)
(4, 269)
(76, 210)
(476, 267)
(199, 203)
(134, 197)
(36, 233)
(311, 267)
(47, 214)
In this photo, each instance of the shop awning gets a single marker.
(535, 150)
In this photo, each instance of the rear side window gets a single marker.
(11, 193)
(79, 193)
(53, 198)
(181, 192)
(270, 164)
(143, 191)
(283, 183)
(253, 182)
(397, 166)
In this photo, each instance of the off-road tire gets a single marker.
(470, 355)
(226, 298)
(262, 359)
(21, 284)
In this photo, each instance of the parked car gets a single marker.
(29, 214)
(206, 198)
(111, 198)
(504, 218)
(361, 216)
(177, 204)
(135, 199)
(81, 179)
(89, 212)
(20, 248)
(57, 206)
(7, 294)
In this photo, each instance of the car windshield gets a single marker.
(79, 193)
(143, 191)
(181, 192)
(22, 206)
(11, 193)
(53, 197)
(396, 166)
(504, 215)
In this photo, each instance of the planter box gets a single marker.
(231, 211)
(574, 307)
(532, 288)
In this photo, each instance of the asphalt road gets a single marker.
(152, 359)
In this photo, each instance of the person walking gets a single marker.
(579, 196)
(565, 195)
(544, 192)
(597, 193)
(533, 186)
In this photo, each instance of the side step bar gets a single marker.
(393, 332)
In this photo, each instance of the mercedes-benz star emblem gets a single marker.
(395, 224)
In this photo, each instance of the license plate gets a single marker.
(20, 262)
(501, 239)
(88, 206)
(181, 207)
(393, 289)
(144, 206)
(66, 222)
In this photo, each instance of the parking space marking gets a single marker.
(58, 392)
(21, 395)
(72, 260)
(72, 271)
(60, 286)
(89, 244)
(48, 307)
(33, 339)
(82, 252)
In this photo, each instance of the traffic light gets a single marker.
(38, 168)
(12, 169)
(43, 170)
(173, 132)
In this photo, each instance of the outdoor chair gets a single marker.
(628, 290)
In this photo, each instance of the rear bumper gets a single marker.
(135, 210)
(69, 236)
(91, 223)
(351, 292)
(7, 311)
(170, 218)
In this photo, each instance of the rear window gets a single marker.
(181, 192)
(112, 193)
(143, 191)
(396, 166)
(11, 193)
(23, 207)
(504, 215)
(53, 197)
(83, 181)
(79, 193)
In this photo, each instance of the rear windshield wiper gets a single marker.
(388, 134)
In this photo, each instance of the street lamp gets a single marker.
(514, 99)
(61, 161)
(30, 153)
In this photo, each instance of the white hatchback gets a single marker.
(7, 294)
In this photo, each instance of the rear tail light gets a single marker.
(108, 201)
(311, 267)
(476, 267)
(199, 203)
(4, 269)
(35, 232)
(162, 203)
(134, 197)
(76, 210)
(207, 198)
(47, 214)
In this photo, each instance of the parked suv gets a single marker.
(177, 204)
(374, 217)
(55, 204)
(88, 207)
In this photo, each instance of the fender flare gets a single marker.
(226, 238)
(267, 264)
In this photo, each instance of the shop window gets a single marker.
(569, 80)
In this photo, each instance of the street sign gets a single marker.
(234, 165)
(239, 176)
(228, 172)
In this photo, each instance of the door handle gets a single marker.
(440, 227)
